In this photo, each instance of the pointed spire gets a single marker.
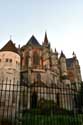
(62, 54)
(45, 39)
(56, 51)
(74, 55)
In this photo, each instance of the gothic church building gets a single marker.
(40, 63)
(47, 75)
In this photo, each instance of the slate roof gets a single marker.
(33, 41)
(10, 46)
(69, 62)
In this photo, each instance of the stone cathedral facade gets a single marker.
(41, 68)
(39, 62)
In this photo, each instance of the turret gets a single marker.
(54, 61)
(63, 67)
(46, 52)
(76, 66)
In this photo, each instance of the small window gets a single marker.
(6, 60)
(10, 60)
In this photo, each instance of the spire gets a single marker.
(74, 55)
(45, 39)
(56, 52)
(62, 54)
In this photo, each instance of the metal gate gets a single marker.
(37, 104)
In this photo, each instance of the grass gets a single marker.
(33, 117)
(36, 119)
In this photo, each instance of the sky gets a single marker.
(61, 19)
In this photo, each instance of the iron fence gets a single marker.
(39, 104)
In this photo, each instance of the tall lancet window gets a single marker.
(27, 59)
(36, 58)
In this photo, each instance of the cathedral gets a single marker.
(40, 63)
(48, 76)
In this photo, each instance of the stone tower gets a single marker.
(46, 52)
(63, 67)
(9, 79)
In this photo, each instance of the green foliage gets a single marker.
(49, 107)
(35, 117)
(46, 106)
(48, 120)
(42, 115)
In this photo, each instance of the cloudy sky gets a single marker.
(61, 19)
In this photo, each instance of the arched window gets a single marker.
(36, 58)
(27, 59)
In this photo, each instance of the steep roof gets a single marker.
(9, 46)
(69, 62)
(33, 41)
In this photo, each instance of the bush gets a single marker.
(46, 107)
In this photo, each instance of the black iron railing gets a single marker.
(39, 104)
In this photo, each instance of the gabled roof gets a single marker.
(10, 46)
(33, 41)
(69, 62)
